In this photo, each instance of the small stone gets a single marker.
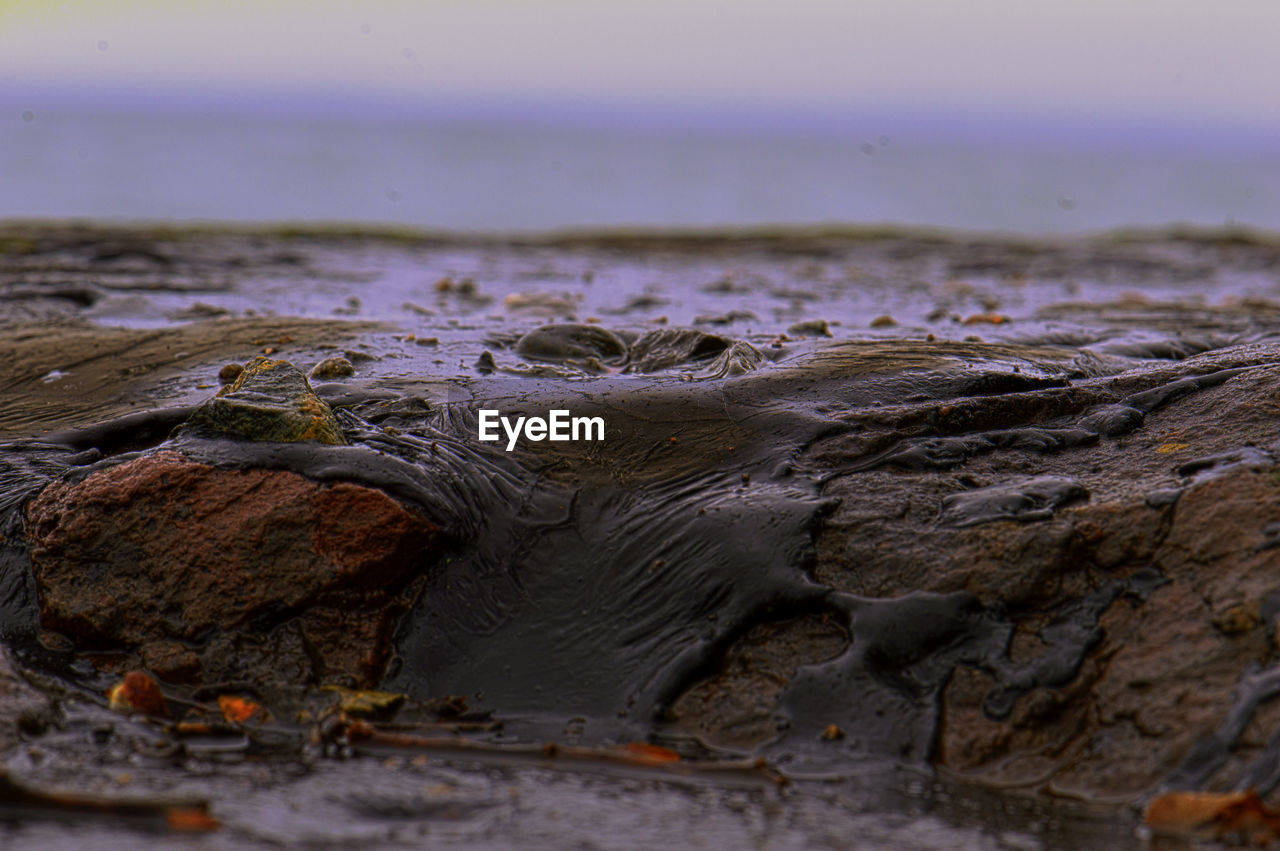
(811, 328)
(885, 321)
(137, 692)
(560, 343)
(334, 367)
(269, 401)
(1237, 620)
(230, 373)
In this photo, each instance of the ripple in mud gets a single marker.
(603, 585)
(829, 515)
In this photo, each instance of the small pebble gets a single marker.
(1237, 620)
(811, 328)
(230, 373)
(138, 692)
(334, 367)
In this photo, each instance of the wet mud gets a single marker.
(1013, 543)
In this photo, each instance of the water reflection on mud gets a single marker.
(794, 542)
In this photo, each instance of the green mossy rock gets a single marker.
(270, 401)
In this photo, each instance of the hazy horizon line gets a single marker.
(956, 123)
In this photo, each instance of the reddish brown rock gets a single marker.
(172, 661)
(161, 553)
(1167, 672)
(1170, 660)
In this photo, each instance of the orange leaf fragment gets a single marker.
(237, 710)
(651, 753)
(190, 820)
(987, 318)
(1212, 814)
(137, 692)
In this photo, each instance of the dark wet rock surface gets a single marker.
(669, 347)
(1014, 561)
(1032, 499)
(559, 343)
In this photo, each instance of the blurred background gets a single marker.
(1056, 116)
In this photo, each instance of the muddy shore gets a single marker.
(939, 539)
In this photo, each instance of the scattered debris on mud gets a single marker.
(999, 526)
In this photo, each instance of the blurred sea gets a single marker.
(526, 172)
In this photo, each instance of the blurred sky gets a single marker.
(1031, 116)
(1166, 62)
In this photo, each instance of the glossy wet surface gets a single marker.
(751, 387)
